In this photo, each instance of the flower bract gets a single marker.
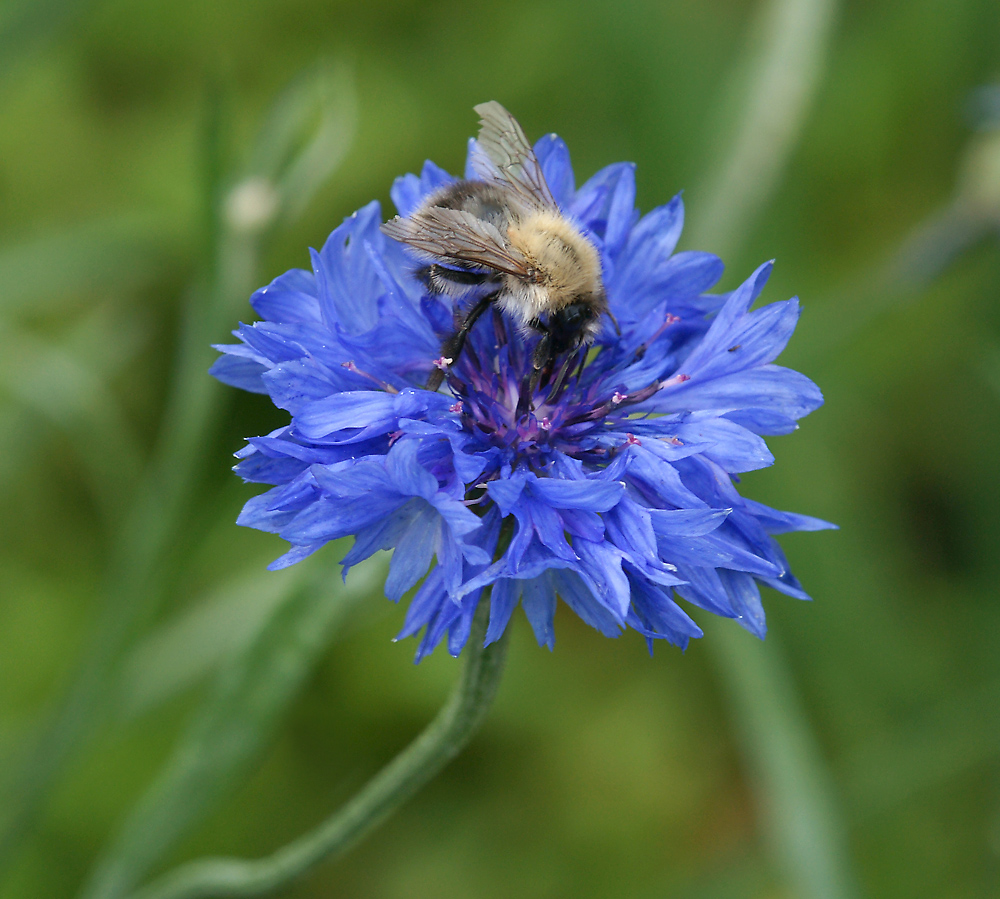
(613, 491)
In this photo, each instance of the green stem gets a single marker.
(443, 739)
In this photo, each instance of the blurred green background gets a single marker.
(160, 160)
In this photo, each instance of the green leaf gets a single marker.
(245, 703)
(187, 648)
(54, 382)
(90, 258)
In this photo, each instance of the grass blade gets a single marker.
(785, 67)
(230, 729)
(794, 790)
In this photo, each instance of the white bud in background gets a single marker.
(251, 205)
(979, 184)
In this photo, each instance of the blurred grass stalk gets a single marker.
(24, 25)
(64, 381)
(252, 688)
(769, 98)
(792, 783)
(301, 144)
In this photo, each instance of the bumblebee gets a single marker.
(502, 239)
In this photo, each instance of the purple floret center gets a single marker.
(567, 419)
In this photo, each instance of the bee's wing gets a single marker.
(507, 148)
(458, 236)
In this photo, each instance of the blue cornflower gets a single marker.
(613, 491)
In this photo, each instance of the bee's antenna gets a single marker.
(614, 321)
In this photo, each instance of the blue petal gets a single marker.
(601, 564)
(507, 493)
(348, 286)
(538, 600)
(582, 524)
(650, 245)
(426, 603)
(368, 411)
(753, 339)
(686, 522)
(258, 513)
(292, 385)
(260, 468)
(447, 614)
(660, 615)
(327, 519)
(685, 275)
(383, 534)
(548, 526)
(745, 599)
(409, 191)
(461, 627)
(777, 522)
(278, 342)
(606, 204)
(629, 527)
(290, 297)
(577, 595)
(408, 475)
(589, 495)
(295, 554)
(238, 371)
(658, 481)
(740, 300)
(770, 388)
(732, 447)
(553, 156)
(713, 551)
(703, 587)
(396, 302)
(413, 553)
(503, 598)
(763, 421)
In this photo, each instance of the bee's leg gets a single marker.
(564, 370)
(452, 347)
(541, 358)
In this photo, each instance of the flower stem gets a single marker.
(443, 739)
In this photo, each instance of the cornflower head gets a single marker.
(605, 478)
